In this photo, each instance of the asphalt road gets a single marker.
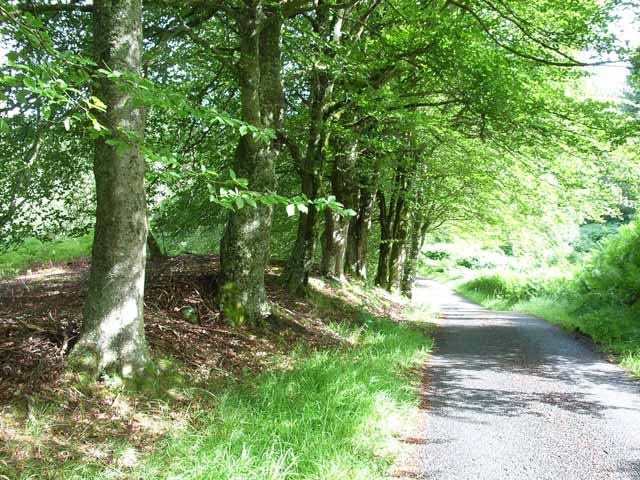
(510, 396)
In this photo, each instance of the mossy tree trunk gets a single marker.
(244, 251)
(327, 25)
(410, 269)
(112, 336)
(344, 186)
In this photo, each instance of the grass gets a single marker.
(322, 414)
(332, 415)
(18, 259)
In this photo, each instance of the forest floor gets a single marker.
(55, 425)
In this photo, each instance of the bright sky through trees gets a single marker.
(609, 80)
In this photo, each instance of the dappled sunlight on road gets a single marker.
(512, 396)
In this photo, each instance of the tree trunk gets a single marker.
(357, 254)
(398, 245)
(112, 336)
(244, 250)
(410, 269)
(155, 252)
(393, 229)
(382, 273)
(310, 168)
(344, 186)
(358, 237)
(334, 244)
(296, 274)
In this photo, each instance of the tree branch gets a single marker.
(53, 8)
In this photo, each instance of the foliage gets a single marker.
(612, 276)
(511, 288)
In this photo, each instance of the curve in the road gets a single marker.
(510, 396)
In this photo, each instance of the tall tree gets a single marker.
(112, 336)
(244, 251)
(336, 226)
(327, 25)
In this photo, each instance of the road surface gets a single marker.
(510, 396)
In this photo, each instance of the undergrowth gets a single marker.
(321, 413)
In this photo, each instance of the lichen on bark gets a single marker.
(112, 336)
(244, 250)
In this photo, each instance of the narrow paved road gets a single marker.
(511, 396)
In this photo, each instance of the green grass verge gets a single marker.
(326, 414)
(614, 329)
(18, 259)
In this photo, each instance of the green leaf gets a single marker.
(98, 104)
(96, 125)
(29, 83)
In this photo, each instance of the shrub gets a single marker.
(436, 254)
(612, 276)
(513, 287)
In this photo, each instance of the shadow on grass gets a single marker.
(330, 415)
(329, 411)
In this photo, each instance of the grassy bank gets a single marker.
(39, 254)
(325, 392)
(331, 415)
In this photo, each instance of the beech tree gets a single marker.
(93, 98)
(112, 335)
(244, 251)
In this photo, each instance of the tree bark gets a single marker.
(345, 189)
(382, 273)
(311, 166)
(334, 244)
(244, 250)
(410, 269)
(155, 252)
(393, 228)
(296, 274)
(112, 336)
(398, 244)
(358, 238)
